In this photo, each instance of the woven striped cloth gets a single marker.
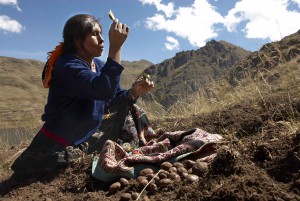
(114, 162)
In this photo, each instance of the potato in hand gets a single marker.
(111, 15)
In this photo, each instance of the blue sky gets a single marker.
(158, 28)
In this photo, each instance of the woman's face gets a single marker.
(93, 43)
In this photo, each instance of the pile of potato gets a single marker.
(188, 171)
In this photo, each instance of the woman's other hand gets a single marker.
(118, 33)
(141, 86)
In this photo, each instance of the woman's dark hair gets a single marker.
(75, 29)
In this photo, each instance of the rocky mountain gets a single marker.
(268, 57)
(188, 71)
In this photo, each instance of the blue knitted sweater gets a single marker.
(78, 96)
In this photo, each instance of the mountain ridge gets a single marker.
(268, 56)
(189, 70)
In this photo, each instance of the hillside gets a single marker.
(262, 164)
(268, 57)
(274, 69)
(189, 71)
(22, 95)
(132, 70)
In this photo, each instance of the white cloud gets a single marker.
(6, 23)
(172, 43)
(297, 2)
(263, 19)
(11, 2)
(195, 23)
(168, 9)
(9, 25)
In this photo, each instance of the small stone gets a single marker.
(173, 169)
(125, 197)
(192, 178)
(146, 171)
(184, 175)
(166, 165)
(165, 171)
(140, 178)
(150, 176)
(134, 195)
(143, 183)
(114, 187)
(163, 175)
(178, 164)
(165, 182)
(152, 188)
(200, 168)
(124, 182)
(181, 170)
(189, 164)
(174, 176)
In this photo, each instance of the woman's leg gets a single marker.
(41, 155)
(111, 127)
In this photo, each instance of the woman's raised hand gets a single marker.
(118, 33)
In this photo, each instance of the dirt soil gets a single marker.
(259, 161)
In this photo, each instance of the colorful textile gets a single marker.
(135, 130)
(114, 162)
(142, 125)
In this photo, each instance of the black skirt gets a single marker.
(43, 154)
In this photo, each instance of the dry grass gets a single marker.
(16, 136)
(22, 95)
(21, 128)
(219, 94)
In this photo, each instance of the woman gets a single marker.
(81, 90)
